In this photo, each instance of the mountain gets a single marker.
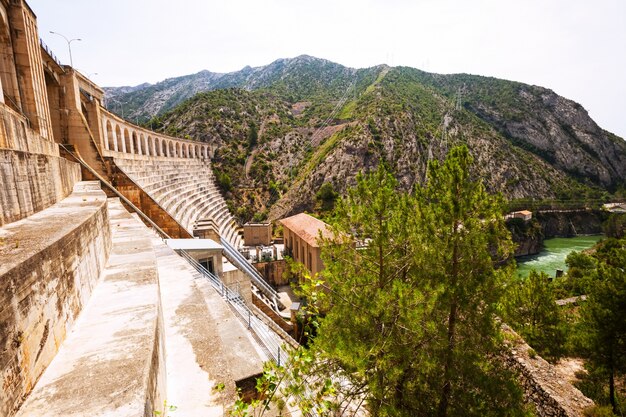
(285, 129)
(291, 76)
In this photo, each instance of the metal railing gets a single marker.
(264, 334)
(49, 52)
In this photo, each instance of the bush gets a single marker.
(224, 182)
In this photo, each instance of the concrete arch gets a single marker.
(177, 151)
(170, 148)
(150, 145)
(119, 139)
(109, 138)
(8, 71)
(143, 149)
(128, 145)
(135, 143)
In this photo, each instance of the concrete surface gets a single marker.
(206, 344)
(112, 362)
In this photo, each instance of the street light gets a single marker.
(69, 47)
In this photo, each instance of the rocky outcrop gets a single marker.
(560, 131)
(526, 235)
(547, 390)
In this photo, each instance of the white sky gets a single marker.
(575, 47)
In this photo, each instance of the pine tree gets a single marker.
(531, 309)
(409, 298)
(465, 236)
(603, 325)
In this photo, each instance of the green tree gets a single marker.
(253, 136)
(531, 309)
(603, 324)
(465, 235)
(224, 181)
(409, 310)
(326, 196)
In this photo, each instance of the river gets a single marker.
(553, 255)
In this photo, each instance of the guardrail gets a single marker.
(265, 335)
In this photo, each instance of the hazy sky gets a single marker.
(574, 47)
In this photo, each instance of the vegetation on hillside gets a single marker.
(319, 123)
(593, 328)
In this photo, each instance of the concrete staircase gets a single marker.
(186, 189)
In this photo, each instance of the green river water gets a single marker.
(553, 255)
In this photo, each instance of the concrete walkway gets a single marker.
(111, 363)
(206, 345)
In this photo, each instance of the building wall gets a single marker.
(302, 252)
(32, 174)
(257, 234)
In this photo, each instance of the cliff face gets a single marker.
(562, 132)
(527, 236)
(296, 124)
(569, 224)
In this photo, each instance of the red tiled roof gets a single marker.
(307, 227)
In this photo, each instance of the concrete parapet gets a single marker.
(112, 363)
(49, 264)
(32, 182)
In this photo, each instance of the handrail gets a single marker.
(116, 192)
(261, 331)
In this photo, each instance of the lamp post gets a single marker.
(69, 46)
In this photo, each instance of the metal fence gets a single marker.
(268, 339)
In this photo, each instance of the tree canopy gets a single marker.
(407, 300)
